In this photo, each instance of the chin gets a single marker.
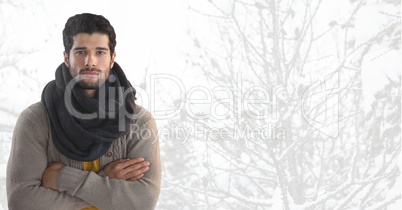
(89, 85)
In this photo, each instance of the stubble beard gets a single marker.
(91, 85)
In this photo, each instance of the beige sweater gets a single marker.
(33, 148)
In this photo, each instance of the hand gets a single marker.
(49, 176)
(127, 169)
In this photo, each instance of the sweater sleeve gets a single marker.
(26, 164)
(105, 193)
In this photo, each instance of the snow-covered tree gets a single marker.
(289, 94)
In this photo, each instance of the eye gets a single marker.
(101, 52)
(79, 52)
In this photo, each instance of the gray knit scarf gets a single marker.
(87, 139)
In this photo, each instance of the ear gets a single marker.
(66, 59)
(112, 60)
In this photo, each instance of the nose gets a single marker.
(90, 61)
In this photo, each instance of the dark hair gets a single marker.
(87, 23)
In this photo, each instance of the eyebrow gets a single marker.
(84, 48)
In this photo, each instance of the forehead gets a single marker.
(91, 40)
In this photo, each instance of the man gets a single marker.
(86, 145)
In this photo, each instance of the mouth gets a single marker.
(89, 73)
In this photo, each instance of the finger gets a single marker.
(136, 173)
(55, 165)
(120, 160)
(132, 162)
(52, 163)
(116, 163)
(136, 166)
(135, 169)
(119, 164)
(137, 177)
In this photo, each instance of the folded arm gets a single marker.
(108, 192)
(27, 162)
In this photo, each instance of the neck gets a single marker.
(90, 93)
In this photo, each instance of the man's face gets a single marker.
(90, 60)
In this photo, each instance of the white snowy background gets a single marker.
(260, 104)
